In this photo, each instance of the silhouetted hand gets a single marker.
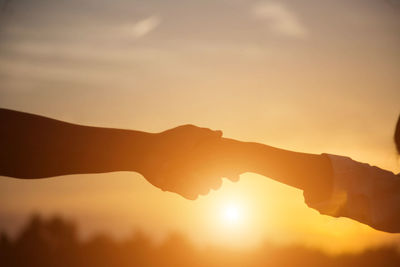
(177, 159)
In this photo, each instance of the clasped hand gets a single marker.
(185, 160)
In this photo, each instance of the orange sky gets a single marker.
(311, 76)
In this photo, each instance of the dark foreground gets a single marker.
(55, 242)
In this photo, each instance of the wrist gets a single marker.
(238, 155)
(136, 150)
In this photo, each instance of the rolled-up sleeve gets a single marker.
(361, 192)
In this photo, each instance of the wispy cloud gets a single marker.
(279, 19)
(145, 26)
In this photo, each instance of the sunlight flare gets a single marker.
(232, 214)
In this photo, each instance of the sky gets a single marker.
(312, 76)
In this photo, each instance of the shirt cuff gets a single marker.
(361, 192)
(346, 174)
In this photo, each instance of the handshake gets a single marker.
(187, 160)
(190, 160)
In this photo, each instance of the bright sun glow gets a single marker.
(232, 214)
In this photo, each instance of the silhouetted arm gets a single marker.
(308, 172)
(334, 185)
(33, 146)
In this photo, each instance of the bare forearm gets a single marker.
(300, 170)
(35, 147)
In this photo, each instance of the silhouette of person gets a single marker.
(333, 185)
(33, 146)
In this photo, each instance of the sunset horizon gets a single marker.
(305, 76)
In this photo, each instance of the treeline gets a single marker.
(54, 243)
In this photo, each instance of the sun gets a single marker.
(232, 214)
(231, 222)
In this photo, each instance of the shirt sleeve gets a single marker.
(361, 192)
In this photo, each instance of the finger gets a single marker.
(204, 191)
(180, 187)
(189, 196)
(183, 184)
(203, 182)
(213, 133)
(217, 184)
(207, 132)
(234, 177)
(217, 133)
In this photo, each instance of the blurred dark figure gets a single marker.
(397, 136)
(54, 242)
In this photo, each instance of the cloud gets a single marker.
(145, 26)
(279, 19)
